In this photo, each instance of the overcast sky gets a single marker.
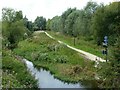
(46, 8)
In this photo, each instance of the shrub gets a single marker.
(42, 57)
(61, 59)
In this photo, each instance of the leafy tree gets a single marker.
(40, 23)
(18, 15)
(63, 19)
(8, 15)
(97, 24)
(70, 21)
(105, 20)
(48, 24)
(55, 23)
(28, 24)
(88, 13)
(12, 27)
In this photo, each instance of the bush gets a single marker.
(42, 57)
(52, 47)
(61, 59)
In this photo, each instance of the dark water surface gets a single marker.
(47, 80)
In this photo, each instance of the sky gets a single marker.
(45, 8)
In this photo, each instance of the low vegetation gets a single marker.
(65, 63)
(14, 73)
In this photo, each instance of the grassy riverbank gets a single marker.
(80, 43)
(14, 72)
(66, 64)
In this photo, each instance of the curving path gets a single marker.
(86, 54)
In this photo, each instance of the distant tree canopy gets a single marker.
(40, 23)
(74, 22)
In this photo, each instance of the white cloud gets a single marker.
(46, 8)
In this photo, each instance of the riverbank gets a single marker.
(15, 73)
(47, 80)
(66, 64)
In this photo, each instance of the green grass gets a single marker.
(14, 72)
(81, 43)
(66, 64)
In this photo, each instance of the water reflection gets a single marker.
(46, 80)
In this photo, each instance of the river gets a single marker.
(47, 80)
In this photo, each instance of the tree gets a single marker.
(104, 22)
(18, 15)
(13, 28)
(8, 15)
(40, 23)
(48, 24)
(70, 22)
(28, 24)
(55, 23)
(63, 19)
(86, 16)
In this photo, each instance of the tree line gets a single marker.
(93, 21)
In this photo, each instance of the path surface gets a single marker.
(86, 54)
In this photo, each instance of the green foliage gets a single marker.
(48, 24)
(61, 59)
(28, 24)
(15, 74)
(8, 15)
(9, 80)
(70, 23)
(13, 28)
(55, 23)
(64, 17)
(40, 23)
(75, 22)
(93, 22)
(116, 50)
(105, 21)
(42, 57)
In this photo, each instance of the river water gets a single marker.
(47, 80)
